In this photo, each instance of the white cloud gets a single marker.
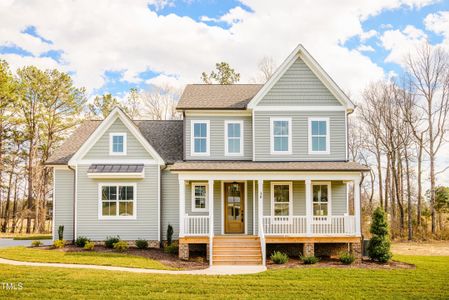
(439, 23)
(96, 36)
(162, 80)
(364, 36)
(365, 48)
(400, 43)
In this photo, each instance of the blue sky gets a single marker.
(112, 46)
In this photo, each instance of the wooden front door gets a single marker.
(234, 197)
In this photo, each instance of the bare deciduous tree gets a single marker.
(160, 103)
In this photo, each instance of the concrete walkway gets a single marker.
(214, 270)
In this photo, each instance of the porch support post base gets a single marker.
(308, 249)
(356, 250)
(184, 251)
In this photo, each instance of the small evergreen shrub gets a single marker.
(58, 244)
(347, 258)
(110, 241)
(279, 258)
(309, 260)
(379, 244)
(61, 232)
(172, 249)
(141, 244)
(36, 243)
(121, 246)
(89, 246)
(81, 241)
(169, 234)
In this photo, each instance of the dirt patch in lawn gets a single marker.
(195, 262)
(434, 248)
(334, 263)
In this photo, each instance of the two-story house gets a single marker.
(249, 165)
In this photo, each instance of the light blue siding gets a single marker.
(170, 203)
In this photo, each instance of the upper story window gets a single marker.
(200, 138)
(319, 136)
(321, 199)
(117, 144)
(199, 197)
(281, 135)
(281, 198)
(117, 201)
(234, 138)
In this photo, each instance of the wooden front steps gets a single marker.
(236, 250)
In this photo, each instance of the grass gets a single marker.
(85, 257)
(427, 281)
(26, 236)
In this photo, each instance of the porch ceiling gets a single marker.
(268, 166)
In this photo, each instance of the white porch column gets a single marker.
(211, 218)
(309, 207)
(357, 208)
(182, 207)
(260, 204)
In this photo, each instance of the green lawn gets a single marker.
(428, 281)
(87, 257)
(33, 237)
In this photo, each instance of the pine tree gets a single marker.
(379, 244)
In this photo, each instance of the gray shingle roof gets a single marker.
(267, 166)
(217, 96)
(115, 168)
(164, 136)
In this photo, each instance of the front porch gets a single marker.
(277, 208)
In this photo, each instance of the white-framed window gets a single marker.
(117, 201)
(200, 133)
(281, 199)
(233, 138)
(199, 197)
(281, 135)
(321, 193)
(117, 143)
(319, 136)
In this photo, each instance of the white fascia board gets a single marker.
(101, 129)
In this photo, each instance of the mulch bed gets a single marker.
(171, 260)
(335, 263)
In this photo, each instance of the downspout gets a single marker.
(74, 201)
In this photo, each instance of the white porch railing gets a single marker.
(297, 225)
(196, 225)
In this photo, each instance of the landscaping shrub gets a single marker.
(379, 244)
(172, 249)
(279, 258)
(169, 235)
(309, 260)
(36, 243)
(347, 258)
(141, 244)
(111, 240)
(58, 244)
(121, 246)
(89, 245)
(61, 232)
(81, 241)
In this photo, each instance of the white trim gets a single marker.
(58, 167)
(159, 183)
(301, 52)
(299, 108)
(75, 230)
(226, 142)
(290, 135)
(54, 205)
(290, 196)
(246, 206)
(328, 135)
(182, 206)
(117, 217)
(192, 138)
(192, 198)
(125, 144)
(253, 135)
(223, 205)
(329, 197)
(346, 136)
(218, 113)
(117, 161)
(115, 114)
(116, 175)
(254, 207)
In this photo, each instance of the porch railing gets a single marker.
(196, 225)
(297, 225)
